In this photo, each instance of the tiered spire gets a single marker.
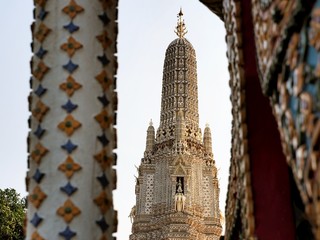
(177, 177)
(179, 84)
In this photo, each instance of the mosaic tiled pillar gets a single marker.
(72, 134)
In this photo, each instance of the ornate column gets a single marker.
(72, 135)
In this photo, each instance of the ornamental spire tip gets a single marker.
(181, 29)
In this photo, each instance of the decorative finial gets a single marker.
(181, 29)
(207, 125)
(150, 123)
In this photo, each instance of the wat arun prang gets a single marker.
(177, 189)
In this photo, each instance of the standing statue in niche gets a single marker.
(179, 187)
(179, 197)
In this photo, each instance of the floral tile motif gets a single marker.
(71, 46)
(70, 86)
(40, 70)
(68, 211)
(36, 236)
(104, 80)
(42, 32)
(69, 125)
(104, 40)
(38, 153)
(69, 167)
(103, 159)
(103, 201)
(37, 197)
(72, 9)
(68, 234)
(104, 119)
(40, 110)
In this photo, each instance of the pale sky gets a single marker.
(146, 27)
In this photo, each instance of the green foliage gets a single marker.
(12, 213)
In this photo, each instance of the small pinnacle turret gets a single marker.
(207, 141)
(150, 137)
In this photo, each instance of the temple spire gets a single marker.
(150, 138)
(207, 140)
(181, 29)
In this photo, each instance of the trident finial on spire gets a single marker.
(181, 29)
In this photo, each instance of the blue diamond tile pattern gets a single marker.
(69, 189)
(40, 91)
(69, 106)
(39, 132)
(103, 180)
(38, 176)
(71, 27)
(41, 52)
(103, 224)
(70, 66)
(104, 100)
(68, 234)
(103, 139)
(42, 15)
(104, 60)
(69, 146)
(36, 220)
(104, 18)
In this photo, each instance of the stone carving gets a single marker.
(132, 213)
(180, 200)
(179, 197)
